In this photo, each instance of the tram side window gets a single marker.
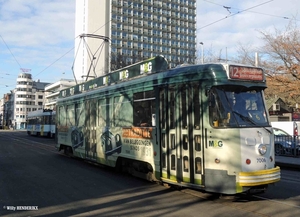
(93, 112)
(33, 120)
(102, 112)
(87, 106)
(198, 165)
(217, 113)
(122, 111)
(172, 110)
(45, 119)
(62, 116)
(185, 163)
(48, 119)
(184, 108)
(143, 108)
(53, 118)
(185, 142)
(163, 160)
(196, 102)
(38, 120)
(173, 162)
(162, 111)
(197, 143)
(30, 121)
(79, 114)
(70, 115)
(163, 140)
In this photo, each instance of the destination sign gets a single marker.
(246, 73)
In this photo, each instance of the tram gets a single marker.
(200, 126)
(41, 123)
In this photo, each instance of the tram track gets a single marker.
(277, 201)
(294, 180)
(30, 142)
(225, 200)
(243, 202)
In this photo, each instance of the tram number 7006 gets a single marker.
(261, 160)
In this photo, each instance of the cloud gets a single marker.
(240, 22)
(35, 35)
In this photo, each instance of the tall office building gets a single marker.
(111, 34)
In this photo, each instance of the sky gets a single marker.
(37, 36)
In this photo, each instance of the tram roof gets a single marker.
(41, 112)
(228, 71)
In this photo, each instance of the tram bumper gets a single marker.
(259, 177)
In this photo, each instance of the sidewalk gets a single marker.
(290, 162)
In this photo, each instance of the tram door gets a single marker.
(181, 146)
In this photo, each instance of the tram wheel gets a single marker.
(68, 151)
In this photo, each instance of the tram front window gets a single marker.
(237, 107)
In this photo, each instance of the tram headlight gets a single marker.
(262, 149)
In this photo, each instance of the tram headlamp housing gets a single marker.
(262, 149)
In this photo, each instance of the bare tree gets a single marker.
(280, 57)
(245, 54)
(283, 62)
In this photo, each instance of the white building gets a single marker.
(91, 51)
(28, 96)
(52, 92)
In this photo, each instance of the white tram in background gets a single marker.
(41, 123)
(200, 126)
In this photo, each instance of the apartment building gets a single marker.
(111, 34)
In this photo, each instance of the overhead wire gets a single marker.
(232, 14)
(54, 62)
(271, 15)
(10, 51)
(8, 85)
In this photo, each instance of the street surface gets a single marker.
(36, 180)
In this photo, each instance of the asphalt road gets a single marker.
(34, 176)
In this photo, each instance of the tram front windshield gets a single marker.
(237, 107)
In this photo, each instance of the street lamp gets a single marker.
(202, 55)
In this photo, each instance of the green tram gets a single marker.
(201, 126)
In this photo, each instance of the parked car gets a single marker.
(285, 143)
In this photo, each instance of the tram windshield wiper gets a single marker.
(249, 120)
(244, 118)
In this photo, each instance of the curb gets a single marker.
(287, 165)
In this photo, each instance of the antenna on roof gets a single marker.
(25, 70)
